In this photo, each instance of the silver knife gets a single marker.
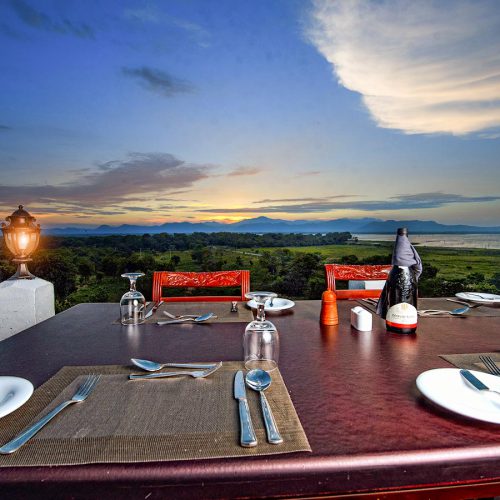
(248, 438)
(152, 310)
(472, 379)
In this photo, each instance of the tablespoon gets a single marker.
(195, 374)
(153, 366)
(260, 380)
(199, 319)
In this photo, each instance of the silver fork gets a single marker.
(195, 374)
(80, 395)
(490, 365)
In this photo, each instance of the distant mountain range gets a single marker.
(266, 225)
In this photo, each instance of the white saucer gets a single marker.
(480, 298)
(14, 392)
(279, 304)
(447, 388)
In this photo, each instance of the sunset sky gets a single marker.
(145, 112)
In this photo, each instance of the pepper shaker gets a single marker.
(329, 313)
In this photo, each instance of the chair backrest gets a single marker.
(169, 279)
(343, 272)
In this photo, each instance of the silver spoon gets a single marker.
(459, 310)
(199, 319)
(153, 366)
(260, 380)
(195, 374)
(455, 312)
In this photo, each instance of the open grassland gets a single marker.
(451, 262)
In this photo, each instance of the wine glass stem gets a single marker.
(261, 315)
(132, 284)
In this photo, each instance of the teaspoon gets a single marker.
(194, 374)
(199, 319)
(460, 310)
(455, 312)
(260, 380)
(153, 366)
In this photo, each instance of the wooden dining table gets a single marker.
(371, 431)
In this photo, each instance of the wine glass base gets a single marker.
(268, 365)
(132, 322)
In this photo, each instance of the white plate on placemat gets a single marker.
(480, 298)
(279, 304)
(14, 392)
(447, 388)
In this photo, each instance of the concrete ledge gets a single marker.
(24, 303)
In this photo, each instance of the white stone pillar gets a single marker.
(24, 303)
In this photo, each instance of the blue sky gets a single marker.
(155, 111)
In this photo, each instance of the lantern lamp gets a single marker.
(21, 237)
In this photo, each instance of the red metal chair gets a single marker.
(169, 279)
(335, 272)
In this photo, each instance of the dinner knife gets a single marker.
(472, 379)
(152, 310)
(248, 438)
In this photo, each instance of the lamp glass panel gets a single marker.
(34, 238)
(23, 240)
(10, 242)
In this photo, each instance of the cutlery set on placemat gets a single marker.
(258, 380)
(192, 313)
(181, 318)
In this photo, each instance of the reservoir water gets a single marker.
(491, 241)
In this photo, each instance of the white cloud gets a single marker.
(147, 175)
(421, 66)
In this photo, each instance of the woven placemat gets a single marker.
(471, 361)
(222, 309)
(124, 420)
(445, 305)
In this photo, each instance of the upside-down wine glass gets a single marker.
(132, 303)
(261, 340)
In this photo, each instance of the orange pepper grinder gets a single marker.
(329, 313)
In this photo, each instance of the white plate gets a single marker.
(14, 392)
(279, 304)
(479, 297)
(447, 388)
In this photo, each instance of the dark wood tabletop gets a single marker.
(370, 430)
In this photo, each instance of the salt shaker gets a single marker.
(329, 313)
(234, 306)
